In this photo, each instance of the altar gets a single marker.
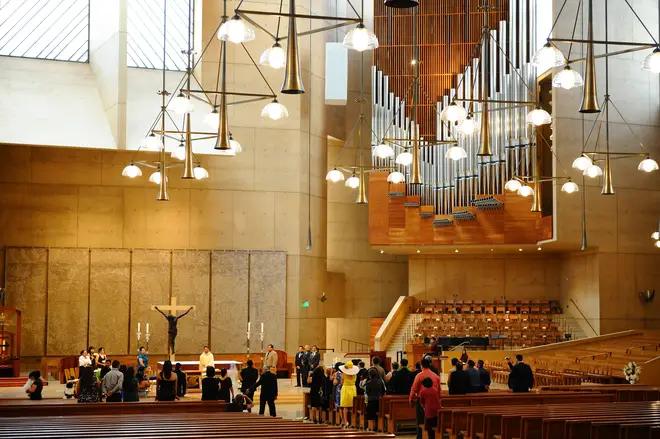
(191, 368)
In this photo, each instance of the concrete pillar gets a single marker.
(107, 57)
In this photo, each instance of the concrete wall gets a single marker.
(484, 277)
(618, 226)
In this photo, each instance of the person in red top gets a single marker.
(417, 389)
(430, 401)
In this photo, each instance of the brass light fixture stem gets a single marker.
(590, 97)
(415, 172)
(584, 216)
(608, 187)
(293, 83)
(222, 143)
(536, 201)
(362, 188)
(188, 159)
(162, 187)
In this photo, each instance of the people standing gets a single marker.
(474, 379)
(84, 360)
(314, 358)
(348, 390)
(374, 388)
(205, 359)
(459, 382)
(130, 385)
(226, 387)
(415, 392)
(433, 368)
(401, 381)
(102, 362)
(87, 388)
(270, 360)
(362, 376)
(268, 383)
(388, 376)
(305, 369)
(316, 382)
(34, 391)
(430, 400)
(112, 383)
(93, 356)
(181, 380)
(464, 356)
(210, 385)
(166, 383)
(484, 377)
(521, 378)
(143, 358)
(299, 364)
(375, 364)
(248, 376)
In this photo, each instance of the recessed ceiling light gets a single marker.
(539, 248)
(491, 249)
(456, 251)
(419, 251)
(382, 251)
(519, 249)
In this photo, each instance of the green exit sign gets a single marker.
(305, 304)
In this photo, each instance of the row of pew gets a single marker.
(501, 414)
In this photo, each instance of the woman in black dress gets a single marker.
(102, 362)
(34, 392)
(130, 386)
(316, 393)
(210, 385)
(166, 383)
(225, 387)
(374, 388)
(88, 386)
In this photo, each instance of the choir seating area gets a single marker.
(507, 324)
(599, 360)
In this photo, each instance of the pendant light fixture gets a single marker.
(453, 113)
(569, 187)
(274, 110)
(383, 151)
(567, 79)
(456, 153)
(512, 185)
(404, 159)
(273, 57)
(131, 171)
(648, 165)
(589, 95)
(360, 39)
(293, 83)
(396, 177)
(547, 57)
(582, 163)
(652, 61)
(236, 31)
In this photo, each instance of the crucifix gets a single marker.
(172, 321)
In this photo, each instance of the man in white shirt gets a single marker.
(205, 359)
(84, 360)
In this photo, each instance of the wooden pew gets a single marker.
(180, 425)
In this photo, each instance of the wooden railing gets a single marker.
(593, 356)
(642, 347)
(403, 306)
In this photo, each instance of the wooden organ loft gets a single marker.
(461, 202)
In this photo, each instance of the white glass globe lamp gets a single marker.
(538, 117)
(655, 235)
(155, 177)
(360, 39)
(648, 165)
(652, 61)
(404, 159)
(512, 185)
(236, 31)
(181, 104)
(570, 187)
(548, 56)
(213, 119)
(335, 175)
(582, 163)
(383, 151)
(275, 111)
(456, 153)
(273, 57)
(179, 152)
(353, 182)
(152, 143)
(593, 171)
(131, 171)
(396, 177)
(468, 126)
(453, 113)
(567, 79)
(200, 173)
(525, 191)
(234, 145)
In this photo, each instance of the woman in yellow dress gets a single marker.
(348, 389)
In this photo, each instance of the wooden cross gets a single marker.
(172, 308)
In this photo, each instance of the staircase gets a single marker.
(400, 339)
(571, 325)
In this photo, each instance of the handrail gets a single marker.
(652, 359)
(652, 345)
(584, 317)
(593, 356)
(465, 343)
(359, 346)
(395, 318)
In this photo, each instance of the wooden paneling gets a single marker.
(374, 326)
(514, 224)
(448, 33)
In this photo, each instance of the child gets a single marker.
(430, 400)
(70, 389)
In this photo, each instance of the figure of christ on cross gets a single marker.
(172, 321)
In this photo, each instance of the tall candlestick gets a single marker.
(138, 326)
(147, 327)
(262, 326)
(248, 327)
